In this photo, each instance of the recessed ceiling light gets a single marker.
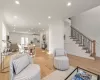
(69, 4)
(49, 17)
(17, 2)
(43, 29)
(15, 17)
(29, 30)
(39, 23)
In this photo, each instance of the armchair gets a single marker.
(61, 61)
(22, 68)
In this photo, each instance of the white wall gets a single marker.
(1, 17)
(67, 30)
(5, 32)
(56, 36)
(89, 24)
(16, 37)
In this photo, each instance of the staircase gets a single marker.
(83, 41)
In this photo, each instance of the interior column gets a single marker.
(56, 36)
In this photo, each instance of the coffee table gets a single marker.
(77, 69)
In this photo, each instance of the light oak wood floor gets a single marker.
(46, 63)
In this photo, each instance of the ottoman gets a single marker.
(61, 62)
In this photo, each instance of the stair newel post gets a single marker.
(93, 49)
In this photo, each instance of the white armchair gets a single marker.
(22, 68)
(61, 61)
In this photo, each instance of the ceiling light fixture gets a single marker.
(43, 29)
(69, 4)
(49, 17)
(17, 2)
(29, 30)
(39, 23)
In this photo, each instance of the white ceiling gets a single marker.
(30, 12)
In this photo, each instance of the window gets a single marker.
(24, 40)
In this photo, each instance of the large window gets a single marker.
(24, 40)
(3, 35)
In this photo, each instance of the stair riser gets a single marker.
(80, 44)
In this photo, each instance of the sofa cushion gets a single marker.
(31, 72)
(20, 63)
(60, 52)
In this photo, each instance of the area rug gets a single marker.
(59, 75)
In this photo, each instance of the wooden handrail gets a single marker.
(88, 44)
(81, 33)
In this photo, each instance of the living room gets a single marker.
(49, 40)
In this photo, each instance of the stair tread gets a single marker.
(84, 49)
(75, 40)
